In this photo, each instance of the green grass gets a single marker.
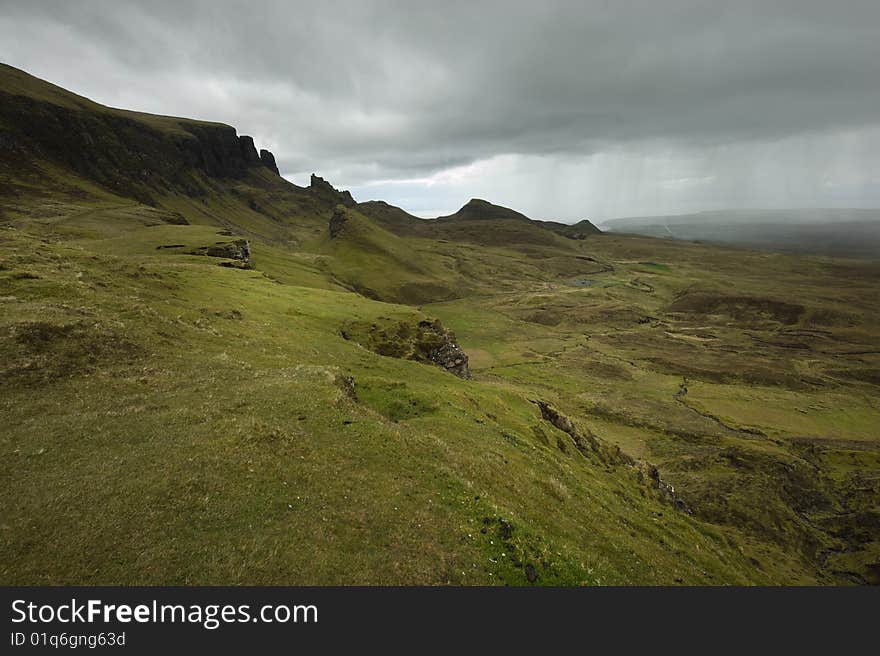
(217, 447)
(215, 442)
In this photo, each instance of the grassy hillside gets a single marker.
(639, 411)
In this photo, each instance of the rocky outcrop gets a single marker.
(238, 250)
(337, 222)
(590, 445)
(651, 475)
(426, 341)
(248, 150)
(438, 345)
(324, 190)
(118, 150)
(268, 160)
(582, 440)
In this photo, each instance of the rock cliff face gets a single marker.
(248, 150)
(125, 152)
(268, 160)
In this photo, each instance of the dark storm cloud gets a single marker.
(393, 90)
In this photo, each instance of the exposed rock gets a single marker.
(587, 443)
(440, 347)
(218, 151)
(122, 153)
(337, 222)
(174, 218)
(581, 441)
(426, 341)
(651, 474)
(268, 160)
(346, 384)
(248, 150)
(239, 250)
(324, 189)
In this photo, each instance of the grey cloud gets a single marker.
(393, 90)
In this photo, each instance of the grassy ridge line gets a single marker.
(19, 83)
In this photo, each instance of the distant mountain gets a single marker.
(579, 230)
(478, 221)
(477, 209)
(835, 232)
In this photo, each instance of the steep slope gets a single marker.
(63, 157)
(131, 154)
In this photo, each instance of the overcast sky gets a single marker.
(561, 110)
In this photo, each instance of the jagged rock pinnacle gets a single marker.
(268, 160)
